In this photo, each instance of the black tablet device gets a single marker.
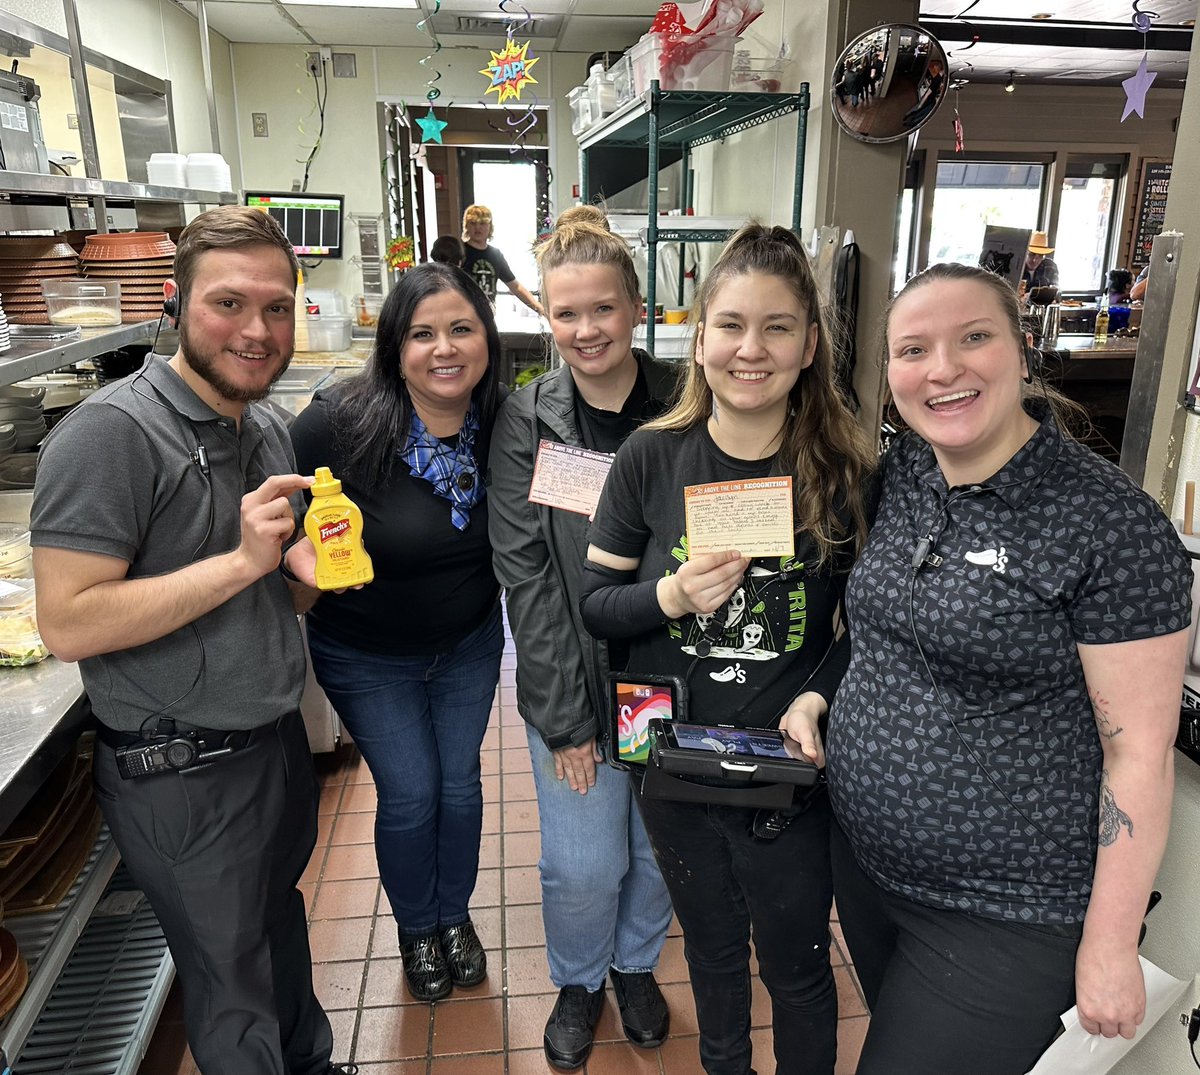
(634, 699)
(729, 753)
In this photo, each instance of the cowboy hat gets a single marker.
(1039, 243)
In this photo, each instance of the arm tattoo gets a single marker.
(1112, 817)
(1104, 722)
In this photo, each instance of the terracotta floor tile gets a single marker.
(385, 984)
(515, 760)
(343, 1025)
(396, 1033)
(349, 861)
(491, 739)
(508, 696)
(308, 890)
(850, 1001)
(760, 1004)
(683, 1008)
(491, 817)
(510, 718)
(763, 1043)
(621, 1058)
(489, 852)
(386, 942)
(338, 985)
(522, 885)
(331, 796)
(524, 927)
(522, 848)
(487, 925)
(491, 789)
(528, 1062)
(518, 786)
(359, 774)
(520, 817)
(324, 828)
(672, 967)
(468, 1026)
(312, 872)
(354, 828)
(528, 972)
(359, 797)
(527, 1020)
(487, 889)
(395, 1067)
(851, 1033)
(340, 939)
(480, 1064)
(680, 1055)
(346, 899)
(489, 762)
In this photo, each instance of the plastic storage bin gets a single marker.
(760, 74)
(601, 93)
(330, 332)
(581, 109)
(686, 63)
(20, 643)
(621, 76)
(89, 303)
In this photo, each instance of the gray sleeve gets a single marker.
(95, 485)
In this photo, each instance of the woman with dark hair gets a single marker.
(449, 250)
(1000, 750)
(753, 640)
(411, 661)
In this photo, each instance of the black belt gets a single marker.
(207, 738)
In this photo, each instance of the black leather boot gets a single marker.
(425, 967)
(464, 954)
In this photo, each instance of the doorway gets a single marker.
(515, 190)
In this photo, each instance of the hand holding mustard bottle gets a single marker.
(333, 556)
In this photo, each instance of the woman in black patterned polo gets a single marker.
(1000, 750)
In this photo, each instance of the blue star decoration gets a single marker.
(1135, 90)
(431, 127)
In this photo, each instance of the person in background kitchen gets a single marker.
(411, 661)
(449, 250)
(754, 641)
(604, 904)
(158, 572)
(1001, 746)
(1040, 269)
(485, 264)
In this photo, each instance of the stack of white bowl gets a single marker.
(5, 333)
(167, 170)
(208, 171)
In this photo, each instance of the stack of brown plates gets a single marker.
(141, 261)
(63, 821)
(14, 973)
(25, 261)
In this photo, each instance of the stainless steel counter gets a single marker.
(42, 712)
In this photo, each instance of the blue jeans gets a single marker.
(604, 903)
(419, 722)
(726, 884)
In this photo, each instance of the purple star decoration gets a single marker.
(1135, 90)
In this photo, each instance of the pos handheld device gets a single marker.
(633, 699)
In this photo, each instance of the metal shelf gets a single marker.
(30, 358)
(689, 117)
(69, 186)
(99, 1017)
(47, 940)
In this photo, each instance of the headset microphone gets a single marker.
(200, 458)
(921, 551)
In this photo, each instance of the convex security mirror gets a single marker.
(888, 82)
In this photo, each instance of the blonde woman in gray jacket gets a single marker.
(604, 904)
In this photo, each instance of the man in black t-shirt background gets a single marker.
(485, 264)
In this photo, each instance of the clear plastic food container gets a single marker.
(330, 332)
(366, 310)
(581, 109)
(87, 303)
(16, 556)
(704, 63)
(20, 643)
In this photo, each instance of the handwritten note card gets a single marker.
(568, 477)
(753, 516)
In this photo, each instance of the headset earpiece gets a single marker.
(171, 306)
(1033, 362)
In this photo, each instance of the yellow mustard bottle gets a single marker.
(334, 526)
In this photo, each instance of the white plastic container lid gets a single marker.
(16, 596)
(14, 542)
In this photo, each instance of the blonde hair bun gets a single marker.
(583, 214)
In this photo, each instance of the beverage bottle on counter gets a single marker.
(334, 526)
(1101, 335)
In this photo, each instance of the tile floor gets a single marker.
(496, 1027)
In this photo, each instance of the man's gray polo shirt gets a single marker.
(120, 477)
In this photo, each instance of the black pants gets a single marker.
(950, 992)
(724, 883)
(218, 851)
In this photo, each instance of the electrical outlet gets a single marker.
(72, 121)
(259, 121)
(312, 63)
(326, 53)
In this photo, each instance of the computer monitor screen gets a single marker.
(313, 222)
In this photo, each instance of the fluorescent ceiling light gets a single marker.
(352, 3)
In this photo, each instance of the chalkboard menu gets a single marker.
(1152, 208)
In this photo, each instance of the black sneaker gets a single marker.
(644, 1015)
(425, 967)
(464, 954)
(571, 1028)
(342, 1069)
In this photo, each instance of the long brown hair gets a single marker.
(829, 454)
